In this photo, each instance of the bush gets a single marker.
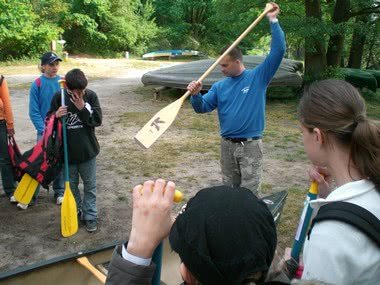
(285, 92)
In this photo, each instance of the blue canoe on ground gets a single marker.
(171, 53)
(179, 76)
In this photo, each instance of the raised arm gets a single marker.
(269, 66)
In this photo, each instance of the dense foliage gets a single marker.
(325, 34)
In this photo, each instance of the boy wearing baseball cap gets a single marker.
(40, 96)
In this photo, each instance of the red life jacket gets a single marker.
(44, 161)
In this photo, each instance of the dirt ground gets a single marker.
(34, 235)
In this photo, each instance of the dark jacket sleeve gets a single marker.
(91, 118)
(123, 272)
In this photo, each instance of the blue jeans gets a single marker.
(87, 171)
(7, 177)
(58, 183)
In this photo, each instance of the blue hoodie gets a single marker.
(40, 100)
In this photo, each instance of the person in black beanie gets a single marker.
(223, 235)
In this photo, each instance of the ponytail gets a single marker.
(365, 150)
(337, 108)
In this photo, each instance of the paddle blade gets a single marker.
(26, 189)
(160, 122)
(69, 215)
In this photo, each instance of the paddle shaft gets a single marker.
(157, 260)
(69, 219)
(304, 222)
(86, 263)
(64, 133)
(233, 45)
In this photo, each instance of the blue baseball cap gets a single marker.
(49, 57)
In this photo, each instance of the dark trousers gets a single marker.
(7, 177)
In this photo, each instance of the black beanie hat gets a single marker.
(224, 235)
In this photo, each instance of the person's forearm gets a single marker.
(141, 247)
(38, 123)
(278, 45)
(196, 102)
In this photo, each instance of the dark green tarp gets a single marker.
(360, 78)
(179, 76)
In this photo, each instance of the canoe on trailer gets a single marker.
(179, 76)
(66, 270)
(171, 53)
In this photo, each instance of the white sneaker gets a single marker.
(12, 199)
(22, 206)
(59, 200)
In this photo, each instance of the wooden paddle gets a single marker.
(26, 189)
(86, 263)
(69, 215)
(162, 120)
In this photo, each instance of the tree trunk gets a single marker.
(357, 43)
(315, 52)
(371, 45)
(336, 43)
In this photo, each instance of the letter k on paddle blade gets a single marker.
(159, 123)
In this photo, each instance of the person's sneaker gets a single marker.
(59, 200)
(91, 225)
(13, 200)
(22, 206)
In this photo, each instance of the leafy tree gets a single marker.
(105, 25)
(22, 33)
(186, 23)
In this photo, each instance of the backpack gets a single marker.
(44, 161)
(351, 214)
(38, 82)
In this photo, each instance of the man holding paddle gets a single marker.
(240, 100)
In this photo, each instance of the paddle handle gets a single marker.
(86, 263)
(233, 45)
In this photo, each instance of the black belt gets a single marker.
(239, 140)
